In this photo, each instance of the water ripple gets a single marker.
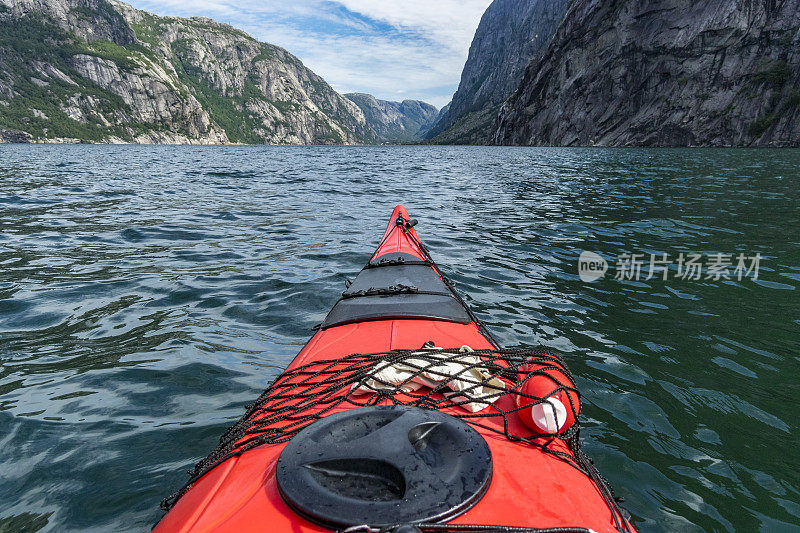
(148, 293)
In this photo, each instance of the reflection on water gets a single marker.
(148, 293)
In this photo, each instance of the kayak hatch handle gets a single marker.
(348, 477)
(420, 434)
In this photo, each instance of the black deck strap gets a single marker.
(468, 528)
(461, 528)
(398, 259)
(392, 290)
(389, 263)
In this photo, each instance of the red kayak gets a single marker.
(402, 414)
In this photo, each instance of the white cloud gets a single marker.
(451, 23)
(376, 64)
(413, 48)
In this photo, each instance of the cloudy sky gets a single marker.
(393, 49)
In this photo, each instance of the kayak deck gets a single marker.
(535, 484)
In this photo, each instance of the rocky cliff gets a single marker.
(102, 71)
(510, 34)
(396, 122)
(663, 73)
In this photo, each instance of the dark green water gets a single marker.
(148, 294)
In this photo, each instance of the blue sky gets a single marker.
(393, 49)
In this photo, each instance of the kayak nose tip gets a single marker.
(400, 210)
(400, 235)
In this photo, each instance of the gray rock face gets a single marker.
(90, 20)
(663, 73)
(510, 35)
(149, 97)
(103, 71)
(14, 137)
(396, 122)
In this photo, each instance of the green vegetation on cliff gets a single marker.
(96, 71)
(34, 107)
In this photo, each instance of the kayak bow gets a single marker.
(403, 414)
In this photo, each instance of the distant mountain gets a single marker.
(102, 71)
(510, 34)
(442, 112)
(398, 122)
(663, 73)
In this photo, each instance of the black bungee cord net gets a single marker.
(303, 395)
(300, 396)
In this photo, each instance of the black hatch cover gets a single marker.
(383, 466)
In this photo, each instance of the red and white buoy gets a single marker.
(554, 403)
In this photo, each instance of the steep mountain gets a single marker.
(663, 73)
(396, 122)
(100, 70)
(442, 112)
(510, 34)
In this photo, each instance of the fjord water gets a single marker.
(148, 293)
